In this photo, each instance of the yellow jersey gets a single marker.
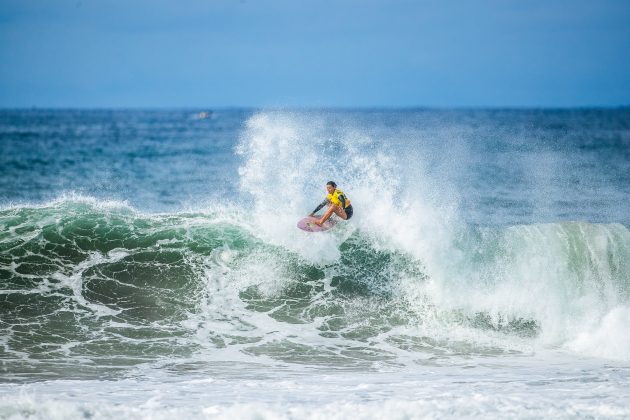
(338, 198)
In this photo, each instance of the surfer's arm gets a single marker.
(321, 206)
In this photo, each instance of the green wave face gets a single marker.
(102, 288)
(112, 284)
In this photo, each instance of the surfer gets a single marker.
(338, 204)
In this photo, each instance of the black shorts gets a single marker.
(348, 211)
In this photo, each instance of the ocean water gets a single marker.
(150, 266)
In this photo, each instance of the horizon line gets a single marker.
(315, 108)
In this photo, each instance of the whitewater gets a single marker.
(150, 265)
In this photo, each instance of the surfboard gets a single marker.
(308, 224)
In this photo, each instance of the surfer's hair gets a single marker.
(332, 184)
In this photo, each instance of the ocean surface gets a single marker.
(150, 264)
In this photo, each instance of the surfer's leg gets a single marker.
(326, 215)
(332, 209)
(339, 212)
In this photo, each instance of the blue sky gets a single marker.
(311, 53)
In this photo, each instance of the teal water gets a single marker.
(504, 166)
(147, 251)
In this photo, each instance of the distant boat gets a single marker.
(203, 115)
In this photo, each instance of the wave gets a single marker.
(405, 280)
(90, 281)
